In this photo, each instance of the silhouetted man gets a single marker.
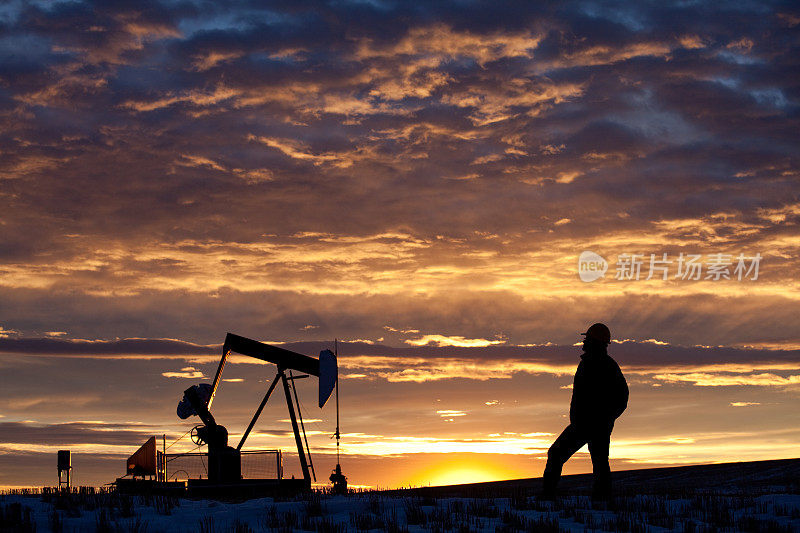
(599, 396)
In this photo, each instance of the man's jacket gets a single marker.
(599, 392)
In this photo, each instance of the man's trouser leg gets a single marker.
(598, 449)
(569, 442)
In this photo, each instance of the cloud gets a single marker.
(358, 443)
(73, 433)
(443, 340)
(389, 328)
(60, 346)
(187, 372)
(295, 150)
(725, 380)
(469, 358)
(6, 333)
(450, 413)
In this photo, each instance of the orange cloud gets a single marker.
(725, 380)
(188, 372)
(455, 340)
(443, 42)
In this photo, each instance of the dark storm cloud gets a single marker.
(72, 433)
(737, 319)
(648, 355)
(158, 154)
(85, 347)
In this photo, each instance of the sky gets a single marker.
(454, 190)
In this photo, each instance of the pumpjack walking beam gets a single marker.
(285, 359)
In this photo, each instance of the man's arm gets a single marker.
(622, 392)
(577, 403)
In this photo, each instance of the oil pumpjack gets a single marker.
(224, 466)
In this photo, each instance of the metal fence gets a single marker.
(262, 464)
(256, 464)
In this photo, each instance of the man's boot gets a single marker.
(549, 485)
(601, 490)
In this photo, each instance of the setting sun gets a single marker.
(464, 475)
(463, 469)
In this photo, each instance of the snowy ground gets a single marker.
(774, 510)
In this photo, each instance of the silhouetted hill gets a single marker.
(751, 477)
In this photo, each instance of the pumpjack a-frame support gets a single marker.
(325, 368)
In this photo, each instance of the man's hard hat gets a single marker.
(599, 332)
